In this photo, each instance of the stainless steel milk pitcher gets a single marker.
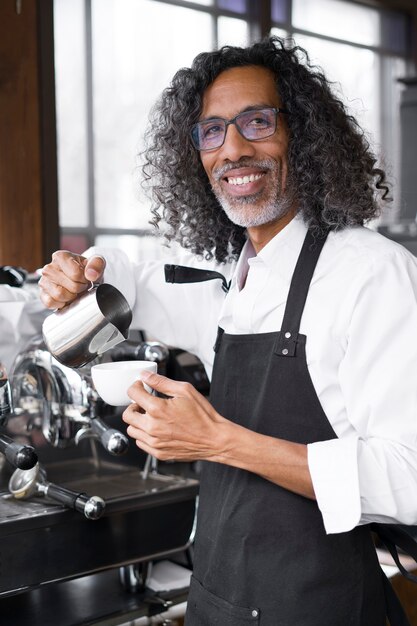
(96, 321)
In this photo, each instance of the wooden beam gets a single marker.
(24, 102)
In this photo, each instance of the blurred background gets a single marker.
(78, 79)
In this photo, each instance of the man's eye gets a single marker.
(259, 122)
(212, 130)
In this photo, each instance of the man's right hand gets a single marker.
(67, 276)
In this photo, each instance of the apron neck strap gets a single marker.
(300, 282)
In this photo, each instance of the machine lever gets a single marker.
(20, 456)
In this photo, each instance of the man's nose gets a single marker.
(235, 146)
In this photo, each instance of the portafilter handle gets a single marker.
(112, 439)
(92, 507)
(24, 484)
(20, 456)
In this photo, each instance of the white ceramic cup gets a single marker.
(112, 380)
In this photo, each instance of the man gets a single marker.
(310, 432)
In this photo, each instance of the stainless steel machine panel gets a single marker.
(41, 542)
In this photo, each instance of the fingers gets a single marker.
(175, 389)
(182, 426)
(141, 426)
(148, 433)
(144, 400)
(149, 414)
(65, 277)
(167, 386)
(62, 279)
(94, 268)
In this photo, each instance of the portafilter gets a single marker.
(24, 484)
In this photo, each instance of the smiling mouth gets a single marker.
(243, 180)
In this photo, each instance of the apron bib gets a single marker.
(261, 552)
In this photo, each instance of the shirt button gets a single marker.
(255, 613)
(287, 335)
(285, 351)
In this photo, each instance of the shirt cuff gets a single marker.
(333, 468)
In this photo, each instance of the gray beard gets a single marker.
(260, 208)
(243, 213)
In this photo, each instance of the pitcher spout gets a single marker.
(107, 338)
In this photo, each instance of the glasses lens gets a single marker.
(257, 124)
(253, 125)
(209, 134)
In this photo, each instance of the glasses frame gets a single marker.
(233, 121)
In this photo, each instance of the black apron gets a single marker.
(262, 555)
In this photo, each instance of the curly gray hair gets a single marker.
(329, 157)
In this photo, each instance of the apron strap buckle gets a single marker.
(286, 343)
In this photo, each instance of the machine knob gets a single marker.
(94, 507)
(25, 458)
(117, 443)
(112, 439)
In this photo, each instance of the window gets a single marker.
(365, 51)
(114, 57)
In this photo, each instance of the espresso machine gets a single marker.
(82, 510)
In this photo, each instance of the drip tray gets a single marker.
(42, 541)
(122, 487)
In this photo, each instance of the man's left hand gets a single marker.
(183, 426)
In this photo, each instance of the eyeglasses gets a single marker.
(253, 125)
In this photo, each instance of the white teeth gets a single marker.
(244, 180)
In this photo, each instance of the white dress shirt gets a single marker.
(360, 320)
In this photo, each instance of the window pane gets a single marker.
(335, 18)
(71, 112)
(408, 116)
(75, 243)
(355, 72)
(232, 31)
(392, 70)
(138, 248)
(239, 6)
(127, 79)
(279, 10)
(396, 29)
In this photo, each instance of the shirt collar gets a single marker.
(280, 254)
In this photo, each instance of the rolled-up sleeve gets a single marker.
(370, 475)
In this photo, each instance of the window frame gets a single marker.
(259, 20)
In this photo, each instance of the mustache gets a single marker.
(263, 164)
